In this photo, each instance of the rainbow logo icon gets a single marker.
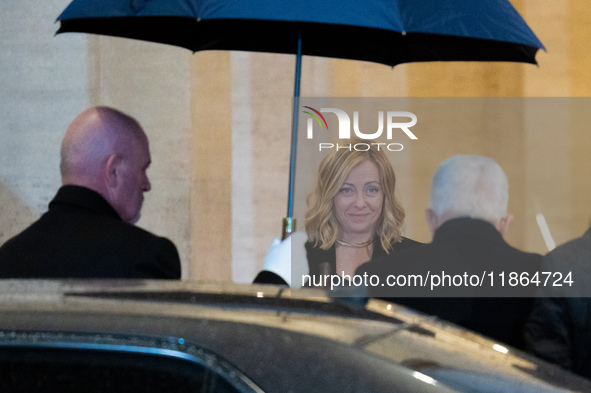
(315, 112)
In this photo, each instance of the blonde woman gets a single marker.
(353, 215)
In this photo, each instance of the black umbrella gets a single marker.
(383, 31)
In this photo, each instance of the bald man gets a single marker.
(89, 230)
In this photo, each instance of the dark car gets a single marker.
(142, 336)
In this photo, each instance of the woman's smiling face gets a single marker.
(358, 204)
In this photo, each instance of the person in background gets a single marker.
(89, 230)
(559, 328)
(468, 218)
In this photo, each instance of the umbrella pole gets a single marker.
(289, 221)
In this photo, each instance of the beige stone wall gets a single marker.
(219, 126)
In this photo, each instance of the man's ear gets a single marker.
(503, 225)
(112, 170)
(432, 220)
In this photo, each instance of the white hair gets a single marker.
(470, 186)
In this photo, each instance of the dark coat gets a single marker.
(559, 328)
(463, 245)
(317, 255)
(81, 236)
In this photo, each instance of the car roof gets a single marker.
(281, 340)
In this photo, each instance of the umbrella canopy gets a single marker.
(382, 31)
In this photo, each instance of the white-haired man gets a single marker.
(469, 187)
(468, 217)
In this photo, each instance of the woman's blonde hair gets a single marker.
(321, 224)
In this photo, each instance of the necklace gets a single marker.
(355, 245)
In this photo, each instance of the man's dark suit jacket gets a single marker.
(82, 236)
(472, 245)
(559, 328)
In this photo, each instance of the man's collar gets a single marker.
(84, 198)
(466, 226)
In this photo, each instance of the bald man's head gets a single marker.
(107, 151)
